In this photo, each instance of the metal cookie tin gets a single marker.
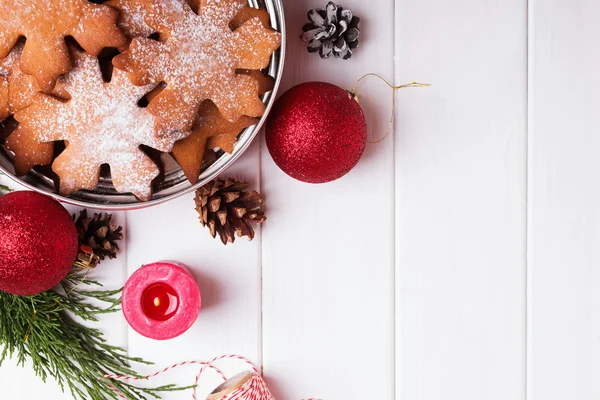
(175, 183)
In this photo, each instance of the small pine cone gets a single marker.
(228, 209)
(99, 234)
(332, 31)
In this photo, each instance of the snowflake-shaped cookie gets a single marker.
(197, 59)
(101, 124)
(46, 23)
(17, 90)
(189, 152)
(225, 139)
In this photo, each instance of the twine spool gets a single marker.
(243, 386)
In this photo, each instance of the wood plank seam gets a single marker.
(395, 299)
(261, 189)
(528, 222)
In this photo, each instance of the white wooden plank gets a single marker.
(228, 277)
(328, 249)
(564, 201)
(18, 383)
(461, 200)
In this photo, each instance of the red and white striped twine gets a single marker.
(254, 389)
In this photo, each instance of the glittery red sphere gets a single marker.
(38, 243)
(316, 132)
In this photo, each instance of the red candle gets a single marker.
(161, 300)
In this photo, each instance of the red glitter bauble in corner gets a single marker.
(316, 132)
(38, 243)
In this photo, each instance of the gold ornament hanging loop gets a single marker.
(394, 89)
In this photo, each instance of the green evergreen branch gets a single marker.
(42, 329)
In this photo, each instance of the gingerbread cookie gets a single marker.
(226, 140)
(20, 90)
(29, 151)
(46, 23)
(265, 82)
(197, 59)
(101, 124)
(189, 152)
(210, 129)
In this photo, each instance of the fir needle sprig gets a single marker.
(45, 330)
(42, 329)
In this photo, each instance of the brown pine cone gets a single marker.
(99, 234)
(228, 209)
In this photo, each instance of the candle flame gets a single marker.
(157, 301)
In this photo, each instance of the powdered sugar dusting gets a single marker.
(7, 63)
(131, 18)
(21, 86)
(102, 124)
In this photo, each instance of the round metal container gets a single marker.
(175, 183)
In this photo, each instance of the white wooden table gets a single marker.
(458, 261)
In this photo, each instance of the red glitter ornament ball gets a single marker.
(38, 243)
(316, 132)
